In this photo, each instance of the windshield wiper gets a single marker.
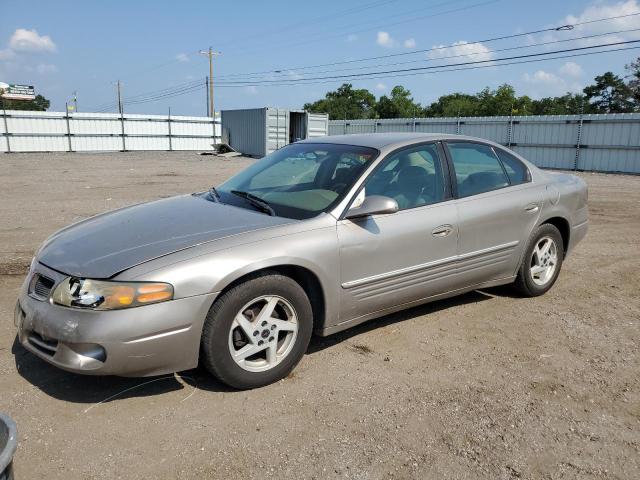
(256, 201)
(213, 193)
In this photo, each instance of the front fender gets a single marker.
(315, 250)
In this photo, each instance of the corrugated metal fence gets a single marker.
(607, 143)
(25, 131)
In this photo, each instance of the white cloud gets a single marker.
(472, 51)
(597, 11)
(24, 40)
(381, 86)
(384, 40)
(182, 57)
(571, 69)
(252, 90)
(15, 56)
(352, 37)
(410, 43)
(542, 83)
(541, 77)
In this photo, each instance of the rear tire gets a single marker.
(257, 331)
(542, 261)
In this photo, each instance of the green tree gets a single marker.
(345, 102)
(609, 94)
(399, 105)
(502, 101)
(634, 81)
(486, 103)
(568, 104)
(453, 105)
(39, 104)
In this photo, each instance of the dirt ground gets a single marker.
(486, 385)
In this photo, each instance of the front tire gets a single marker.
(542, 261)
(257, 331)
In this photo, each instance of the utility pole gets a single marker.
(210, 53)
(118, 87)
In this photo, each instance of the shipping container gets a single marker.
(259, 131)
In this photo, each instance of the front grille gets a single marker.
(41, 286)
(47, 346)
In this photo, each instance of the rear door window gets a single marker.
(516, 170)
(477, 169)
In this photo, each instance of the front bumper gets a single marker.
(142, 341)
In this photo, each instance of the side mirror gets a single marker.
(375, 204)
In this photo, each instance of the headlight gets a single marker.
(101, 295)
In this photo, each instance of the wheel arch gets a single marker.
(562, 224)
(302, 275)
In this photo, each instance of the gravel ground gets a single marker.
(486, 385)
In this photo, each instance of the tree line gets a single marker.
(609, 93)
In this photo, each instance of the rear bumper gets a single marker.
(143, 341)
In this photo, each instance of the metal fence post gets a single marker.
(576, 160)
(124, 145)
(66, 117)
(6, 127)
(169, 125)
(213, 123)
(458, 125)
(510, 130)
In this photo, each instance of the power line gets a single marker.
(154, 96)
(506, 49)
(476, 67)
(200, 87)
(153, 93)
(418, 70)
(428, 50)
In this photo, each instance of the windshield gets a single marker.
(300, 180)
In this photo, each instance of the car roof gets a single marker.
(388, 140)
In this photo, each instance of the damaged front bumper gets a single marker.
(142, 341)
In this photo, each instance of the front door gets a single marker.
(393, 259)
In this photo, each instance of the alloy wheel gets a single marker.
(263, 333)
(544, 261)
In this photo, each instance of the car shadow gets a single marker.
(320, 343)
(76, 388)
(87, 389)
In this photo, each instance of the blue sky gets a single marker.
(85, 46)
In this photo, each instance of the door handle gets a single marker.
(442, 231)
(532, 208)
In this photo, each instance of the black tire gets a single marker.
(215, 354)
(524, 282)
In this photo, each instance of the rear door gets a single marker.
(393, 259)
(497, 208)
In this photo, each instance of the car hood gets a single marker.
(107, 244)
